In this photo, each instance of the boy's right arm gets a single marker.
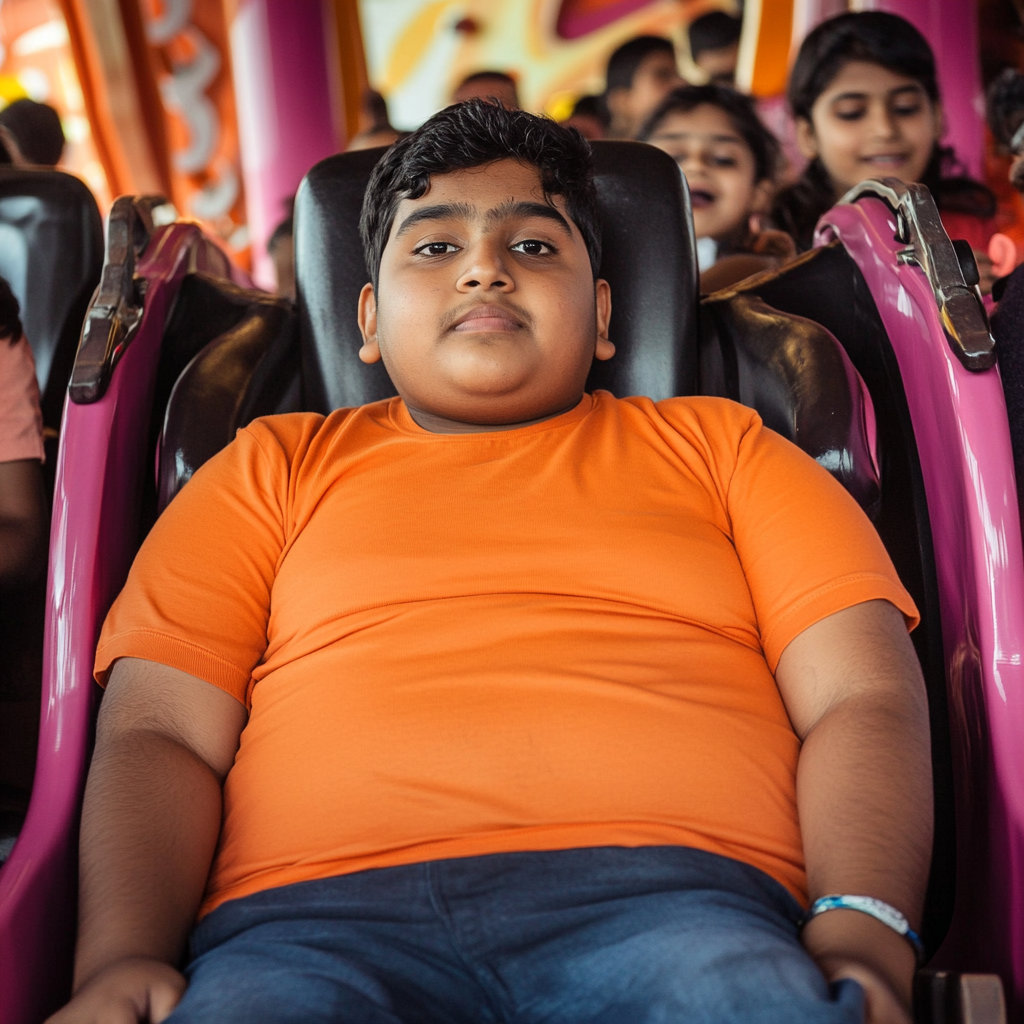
(165, 742)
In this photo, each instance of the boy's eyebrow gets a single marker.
(521, 208)
(464, 211)
(439, 211)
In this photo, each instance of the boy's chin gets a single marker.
(492, 409)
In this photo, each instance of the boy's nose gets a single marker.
(485, 269)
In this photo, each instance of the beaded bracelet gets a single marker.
(878, 909)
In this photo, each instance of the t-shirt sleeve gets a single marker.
(198, 594)
(806, 547)
(21, 422)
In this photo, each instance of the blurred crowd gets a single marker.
(863, 102)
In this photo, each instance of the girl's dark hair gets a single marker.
(740, 111)
(472, 134)
(893, 43)
(10, 322)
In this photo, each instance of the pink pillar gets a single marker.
(285, 89)
(951, 26)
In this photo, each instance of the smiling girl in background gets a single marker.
(866, 103)
(729, 159)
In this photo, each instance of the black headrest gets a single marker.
(51, 252)
(649, 260)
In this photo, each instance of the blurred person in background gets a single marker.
(23, 511)
(32, 133)
(589, 117)
(730, 160)
(281, 249)
(641, 73)
(715, 45)
(494, 86)
(1005, 108)
(865, 99)
(375, 114)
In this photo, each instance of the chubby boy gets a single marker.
(501, 701)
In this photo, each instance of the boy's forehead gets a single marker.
(501, 191)
(478, 190)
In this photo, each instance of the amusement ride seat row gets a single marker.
(871, 352)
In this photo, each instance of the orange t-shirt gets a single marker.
(537, 639)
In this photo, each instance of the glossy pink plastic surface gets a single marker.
(287, 93)
(963, 441)
(92, 543)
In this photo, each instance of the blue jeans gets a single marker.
(607, 935)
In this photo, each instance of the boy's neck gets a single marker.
(442, 425)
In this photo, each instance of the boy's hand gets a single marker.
(848, 944)
(126, 992)
(881, 1005)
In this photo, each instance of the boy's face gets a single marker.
(487, 313)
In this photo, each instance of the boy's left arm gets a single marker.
(855, 695)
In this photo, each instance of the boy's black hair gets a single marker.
(890, 41)
(473, 134)
(738, 108)
(10, 321)
(624, 63)
(713, 31)
(36, 129)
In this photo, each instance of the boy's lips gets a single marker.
(701, 199)
(487, 317)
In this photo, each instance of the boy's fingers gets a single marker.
(130, 992)
(881, 1004)
(163, 998)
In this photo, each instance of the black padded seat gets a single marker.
(229, 354)
(648, 259)
(51, 253)
(798, 377)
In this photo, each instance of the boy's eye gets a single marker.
(531, 247)
(436, 249)
(850, 113)
(723, 161)
(907, 109)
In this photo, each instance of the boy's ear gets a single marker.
(604, 349)
(367, 317)
(806, 140)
